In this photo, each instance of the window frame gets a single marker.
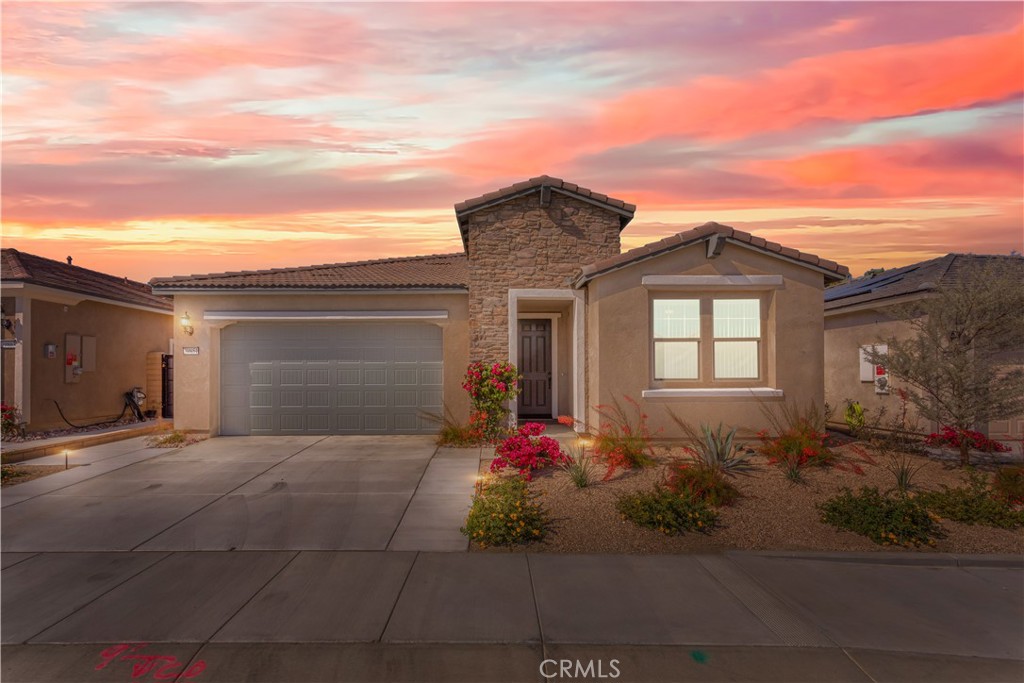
(706, 376)
(693, 340)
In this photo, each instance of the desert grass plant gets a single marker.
(1008, 484)
(580, 466)
(903, 470)
(886, 520)
(666, 511)
(454, 434)
(623, 440)
(974, 503)
(504, 513)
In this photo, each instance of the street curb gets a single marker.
(13, 454)
(892, 558)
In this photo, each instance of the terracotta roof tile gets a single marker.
(18, 266)
(837, 272)
(438, 271)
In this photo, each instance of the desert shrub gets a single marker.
(701, 483)
(975, 503)
(623, 440)
(667, 511)
(886, 520)
(504, 513)
(490, 387)
(580, 467)
(854, 417)
(948, 436)
(10, 420)
(798, 441)
(713, 450)
(1008, 484)
(528, 451)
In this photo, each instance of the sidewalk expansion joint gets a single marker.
(772, 612)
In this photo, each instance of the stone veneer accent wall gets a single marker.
(519, 244)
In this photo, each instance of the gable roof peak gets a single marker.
(539, 184)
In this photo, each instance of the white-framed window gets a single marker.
(676, 338)
(707, 338)
(737, 335)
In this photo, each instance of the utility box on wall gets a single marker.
(79, 357)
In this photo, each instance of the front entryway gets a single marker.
(535, 365)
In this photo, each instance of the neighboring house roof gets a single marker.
(899, 282)
(720, 234)
(437, 271)
(18, 266)
(541, 184)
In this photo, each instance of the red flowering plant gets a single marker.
(528, 451)
(623, 440)
(11, 419)
(490, 388)
(950, 436)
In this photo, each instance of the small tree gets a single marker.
(959, 363)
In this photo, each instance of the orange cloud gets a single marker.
(851, 86)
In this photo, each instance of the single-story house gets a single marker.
(862, 313)
(711, 323)
(76, 340)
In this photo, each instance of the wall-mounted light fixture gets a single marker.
(186, 325)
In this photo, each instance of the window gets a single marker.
(676, 338)
(708, 338)
(737, 330)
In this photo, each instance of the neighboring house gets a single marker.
(709, 323)
(77, 338)
(860, 313)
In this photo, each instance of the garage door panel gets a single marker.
(352, 378)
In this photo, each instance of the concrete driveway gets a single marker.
(250, 493)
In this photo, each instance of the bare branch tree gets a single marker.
(963, 362)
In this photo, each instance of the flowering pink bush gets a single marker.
(490, 387)
(11, 419)
(950, 436)
(528, 451)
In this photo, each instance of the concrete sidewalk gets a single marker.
(369, 616)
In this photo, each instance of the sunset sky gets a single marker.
(150, 139)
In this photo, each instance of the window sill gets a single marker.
(710, 392)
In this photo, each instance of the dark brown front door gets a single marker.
(535, 366)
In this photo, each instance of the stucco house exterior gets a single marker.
(709, 322)
(863, 313)
(78, 338)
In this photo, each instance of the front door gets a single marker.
(535, 366)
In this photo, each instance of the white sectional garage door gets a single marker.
(330, 378)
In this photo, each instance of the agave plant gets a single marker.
(714, 449)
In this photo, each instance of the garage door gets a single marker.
(330, 378)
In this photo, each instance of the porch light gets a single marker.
(186, 324)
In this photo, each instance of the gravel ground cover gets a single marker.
(19, 474)
(773, 514)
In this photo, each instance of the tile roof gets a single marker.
(17, 266)
(833, 270)
(464, 208)
(911, 279)
(437, 271)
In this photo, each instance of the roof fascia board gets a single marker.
(876, 304)
(338, 316)
(70, 298)
(581, 281)
(537, 188)
(301, 290)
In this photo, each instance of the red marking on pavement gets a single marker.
(163, 667)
